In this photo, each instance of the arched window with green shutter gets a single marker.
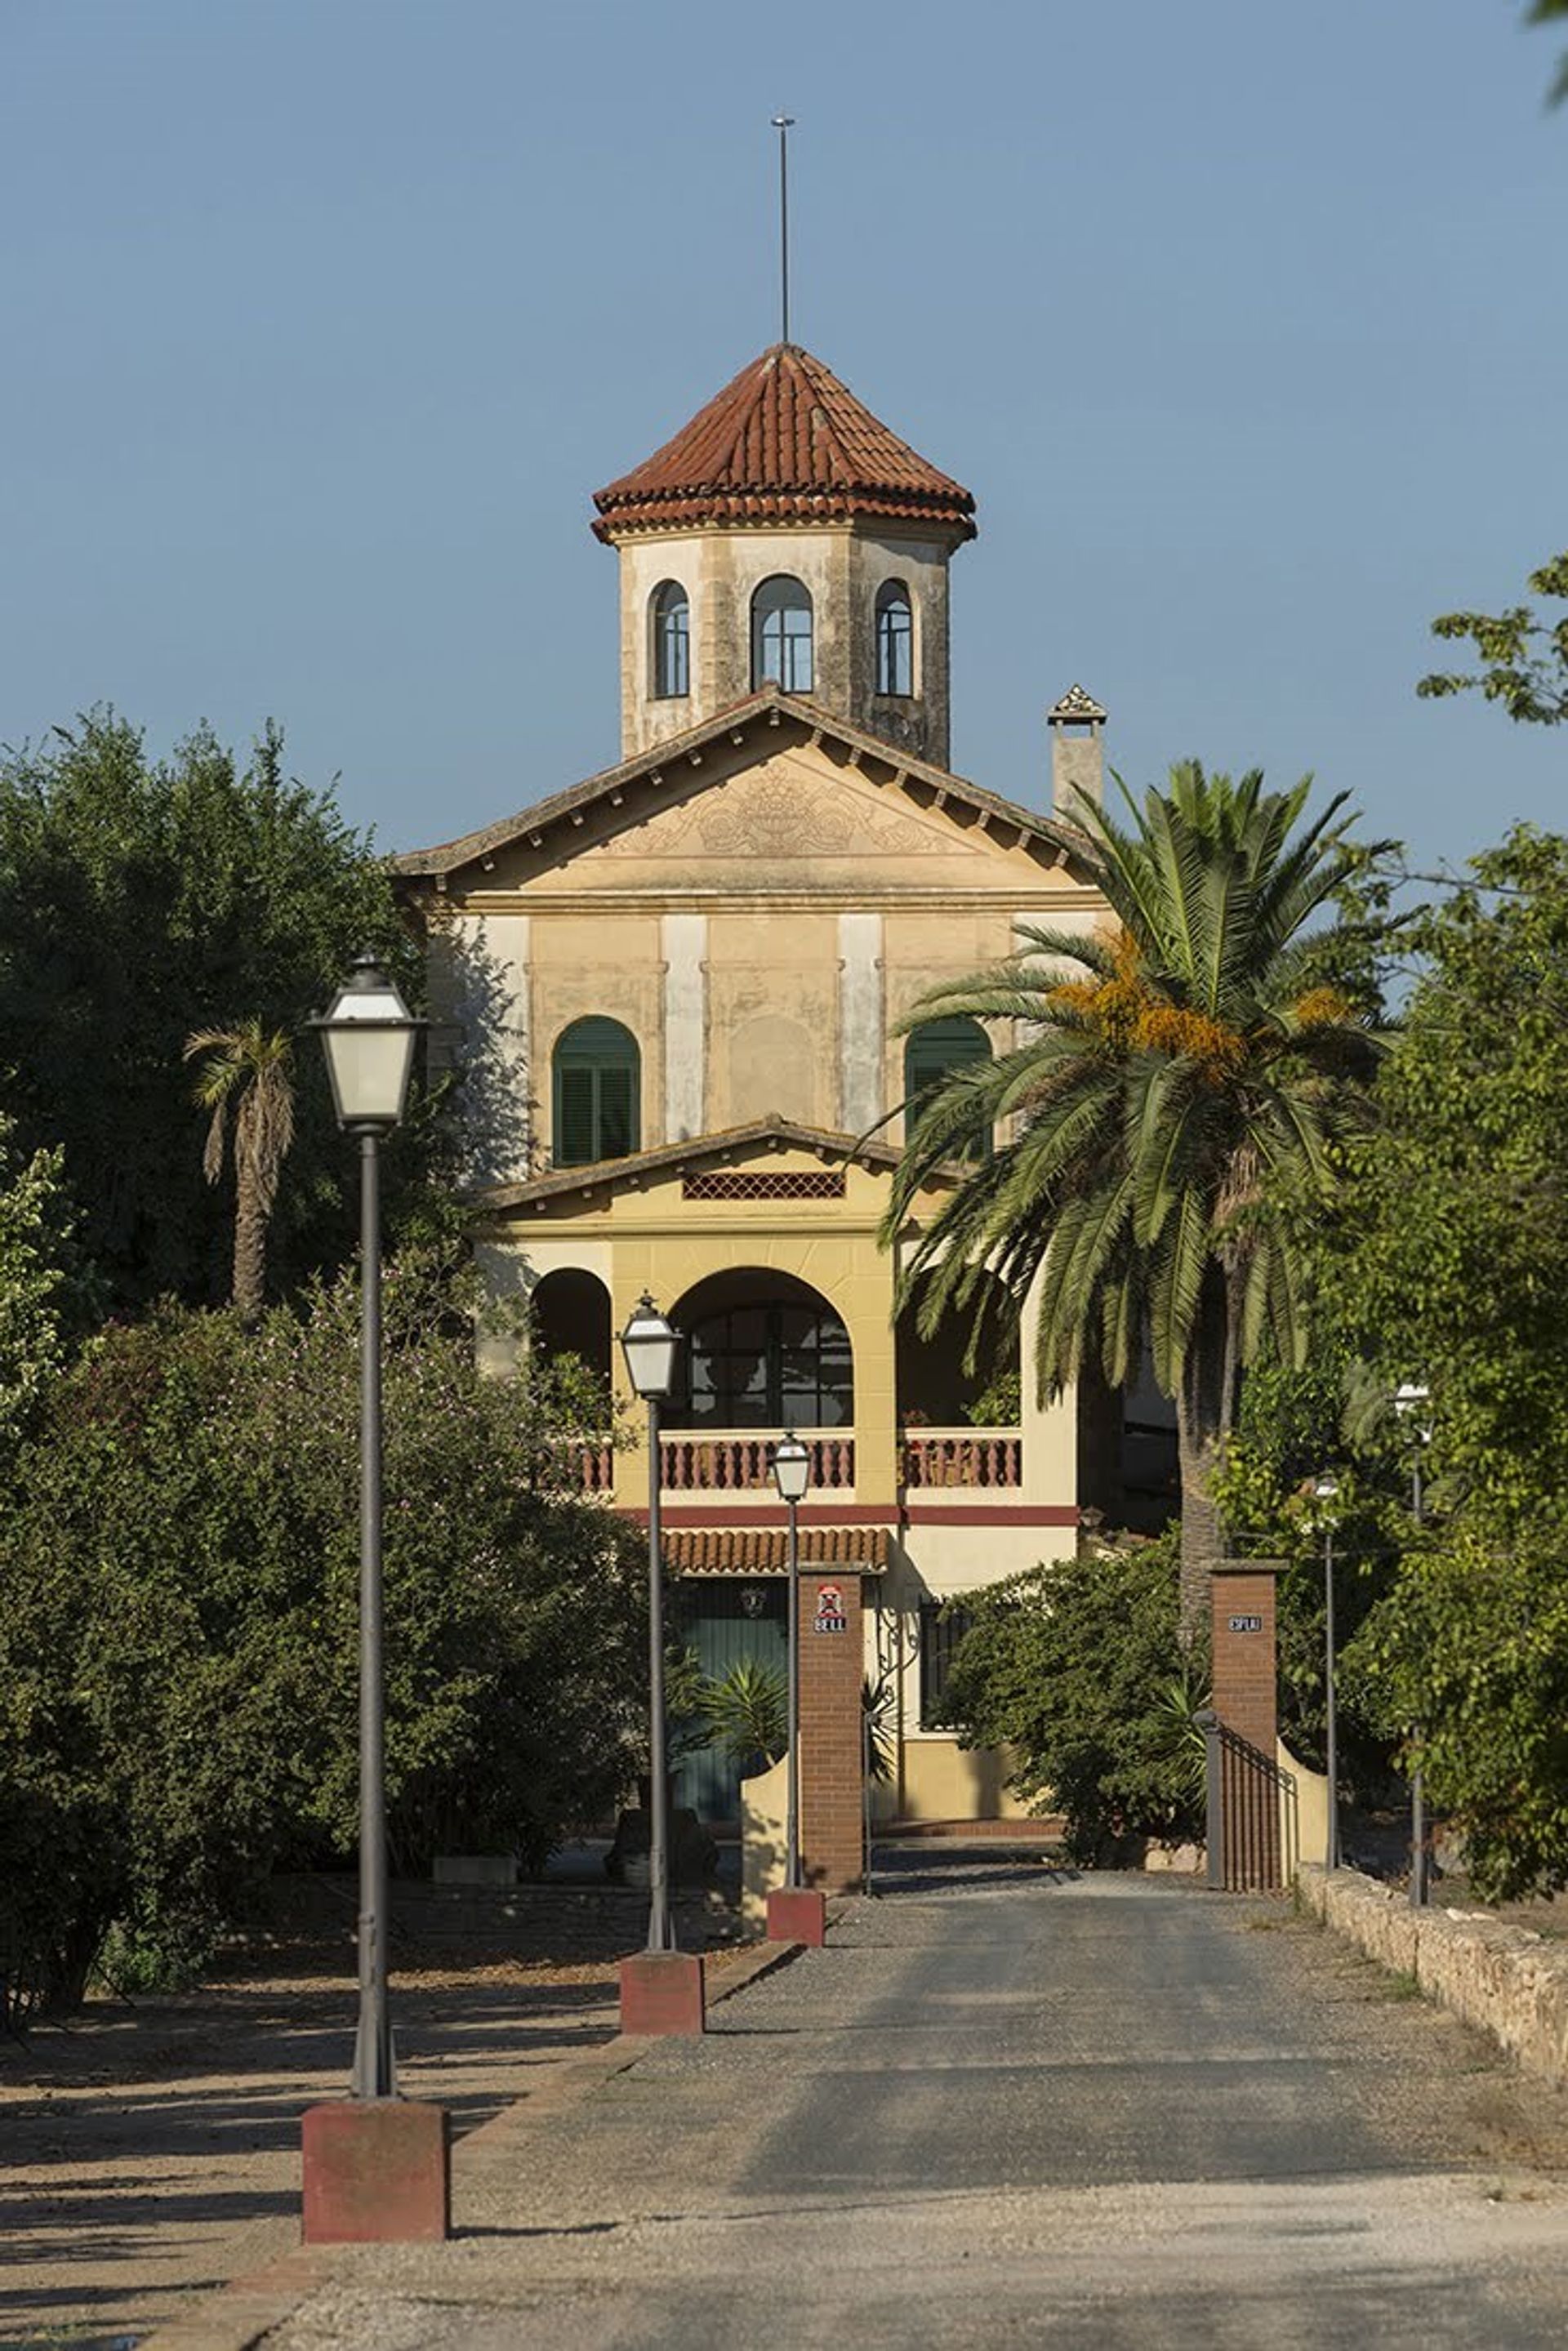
(934, 1049)
(597, 1084)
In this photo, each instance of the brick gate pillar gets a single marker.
(832, 1661)
(1246, 1698)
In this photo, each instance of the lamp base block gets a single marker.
(377, 2171)
(798, 1914)
(662, 1992)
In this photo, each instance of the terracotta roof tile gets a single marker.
(785, 441)
(765, 1551)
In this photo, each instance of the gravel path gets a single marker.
(149, 2152)
(1008, 2105)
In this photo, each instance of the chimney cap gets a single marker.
(1074, 707)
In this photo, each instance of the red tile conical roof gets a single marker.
(785, 442)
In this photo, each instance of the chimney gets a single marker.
(1077, 753)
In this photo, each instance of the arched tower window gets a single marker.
(895, 639)
(937, 1047)
(672, 619)
(782, 634)
(598, 1072)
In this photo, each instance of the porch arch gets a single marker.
(763, 1350)
(571, 1316)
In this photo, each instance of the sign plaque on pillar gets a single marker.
(1246, 1703)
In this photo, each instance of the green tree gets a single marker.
(1471, 1645)
(1450, 1267)
(1525, 657)
(1451, 1263)
(137, 896)
(248, 1071)
(177, 1651)
(38, 1285)
(1100, 1727)
(1171, 1117)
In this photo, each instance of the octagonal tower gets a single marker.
(786, 534)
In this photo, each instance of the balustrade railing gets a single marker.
(740, 1462)
(733, 1461)
(596, 1465)
(986, 1457)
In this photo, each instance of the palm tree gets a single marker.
(1172, 1108)
(250, 1072)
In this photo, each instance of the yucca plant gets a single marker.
(1168, 1112)
(748, 1709)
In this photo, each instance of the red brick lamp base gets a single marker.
(798, 1914)
(663, 1991)
(377, 2171)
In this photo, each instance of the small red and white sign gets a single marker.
(829, 1616)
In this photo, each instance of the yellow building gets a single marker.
(673, 990)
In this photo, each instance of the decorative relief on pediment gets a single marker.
(778, 818)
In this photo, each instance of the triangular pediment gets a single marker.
(773, 793)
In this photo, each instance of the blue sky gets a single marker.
(325, 317)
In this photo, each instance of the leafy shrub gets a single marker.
(1471, 1645)
(179, 1648)
(1071, 1665)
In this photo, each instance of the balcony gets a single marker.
(985, 1458)
(740, 1462)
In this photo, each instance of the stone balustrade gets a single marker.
(983, 1457)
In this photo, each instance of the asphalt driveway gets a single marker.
(1013, 2105)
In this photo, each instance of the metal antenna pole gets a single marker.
(784, 124)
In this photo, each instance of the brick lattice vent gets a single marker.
(765, 1184)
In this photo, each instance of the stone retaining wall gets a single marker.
(1508, 1980)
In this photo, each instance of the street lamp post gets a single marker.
(368, 1035)
(1324, 1493)
(1410, 1401)
(791, 1475)
(650, 1345)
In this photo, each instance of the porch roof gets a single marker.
(760, 1134)
(765, 1551)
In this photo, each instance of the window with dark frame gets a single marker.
(672, 642)
(894, 640)
(943, 1625)
(597, 1071)
(777, 1364)
(782, 634)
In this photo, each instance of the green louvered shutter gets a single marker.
(938, 1046)
(597, 1074)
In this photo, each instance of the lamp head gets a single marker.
(1410, 1397)
(792, 1467)
(367, 1034)
(649, 1345)
(1325, 1494)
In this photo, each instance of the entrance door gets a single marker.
(725, 1619)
